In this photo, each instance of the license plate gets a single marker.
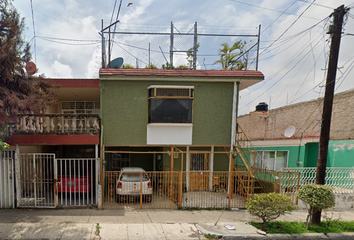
(71, 183)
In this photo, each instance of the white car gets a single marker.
(129, 181)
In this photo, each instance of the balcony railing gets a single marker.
(56, 124)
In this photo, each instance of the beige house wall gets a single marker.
(305, 117)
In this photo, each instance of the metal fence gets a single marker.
(173, 189)
(176, 46)
(340, 179)
(77, 181)
(7, 183)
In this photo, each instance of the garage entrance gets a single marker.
(47, 182)
(36, 185)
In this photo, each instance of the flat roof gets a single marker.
(246, 78)
(75, 82)
(181, 73)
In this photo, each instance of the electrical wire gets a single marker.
(281, 78)
(293, 59)
(131, 54)
(269, 9)
(34, 34)
(279, 16)
(316, 4)
(64, 43)
(288, 27)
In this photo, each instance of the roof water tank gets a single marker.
(262, 107)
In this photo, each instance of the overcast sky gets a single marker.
(294, 45)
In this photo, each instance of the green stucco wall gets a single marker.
(340, 154)
(125, 108)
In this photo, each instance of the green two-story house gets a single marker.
(155, 118)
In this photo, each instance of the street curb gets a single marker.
(309, 236)
(204, 231)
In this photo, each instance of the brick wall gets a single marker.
(305, 117)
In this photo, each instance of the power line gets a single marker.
(316, 4)
(69, 39)
(130, 53)
(34, 34)
(270, 9)
(288, 27)
(282, 76)
(279, 16)
(304, 47)
(65, 43)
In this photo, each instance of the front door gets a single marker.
(199, 172)
(36, 185)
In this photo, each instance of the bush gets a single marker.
(128, 66)
(316, 197)
(269, 206)
(151, 66)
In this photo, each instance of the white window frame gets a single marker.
(262, 153)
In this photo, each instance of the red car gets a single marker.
(75, 180)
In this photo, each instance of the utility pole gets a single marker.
(336, 31)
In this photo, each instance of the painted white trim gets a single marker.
(169, 86)
(211, 167)
(169, 134)
(187, 166)
(283, 142)
(18, 173)
(96, 151)
(170, 124)
(233, 119)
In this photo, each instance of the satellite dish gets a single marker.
(31, 68)
(289, 131)
(116, 63)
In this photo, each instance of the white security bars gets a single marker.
(340, 179)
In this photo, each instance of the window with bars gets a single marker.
(170, 104)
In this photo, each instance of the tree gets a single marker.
(20, 93)
(269, 206)
(316, 198)
(232, 58)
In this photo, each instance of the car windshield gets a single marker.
(133, 177)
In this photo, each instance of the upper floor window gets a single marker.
(170, 104)
(80, 107)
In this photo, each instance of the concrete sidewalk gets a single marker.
(133, 224)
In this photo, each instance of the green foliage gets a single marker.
(3, 146)
(167, 66)
(316, 197)
(98, 230)
(128, 66)
(190, 55)
(210, 236)
(19, 92)
(300, 227)
(232, 58)
(269, 206)
(151, 66)
(182, 67)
